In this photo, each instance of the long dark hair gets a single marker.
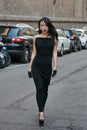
(51, 29)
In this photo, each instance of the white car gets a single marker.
(63, 43)
(83, 37)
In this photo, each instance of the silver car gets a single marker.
(83, 37)
(63, 43)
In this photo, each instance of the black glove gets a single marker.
(29, 74)
(54, 73)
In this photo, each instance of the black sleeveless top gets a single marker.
(44, 52)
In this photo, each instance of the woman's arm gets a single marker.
(55, 61)
(32, 55)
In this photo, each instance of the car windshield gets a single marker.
(67, 33)
(79, 33)
(61, 34)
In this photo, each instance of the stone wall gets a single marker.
(63, 13)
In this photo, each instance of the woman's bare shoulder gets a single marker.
(36, 36)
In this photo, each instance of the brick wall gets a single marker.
(62, 12)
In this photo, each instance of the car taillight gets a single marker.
(17, 40)
(72, 38)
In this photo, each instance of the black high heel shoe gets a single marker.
(41, 122)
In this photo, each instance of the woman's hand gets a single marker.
(29, 74)
(54, 73)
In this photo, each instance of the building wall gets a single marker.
(63, 13)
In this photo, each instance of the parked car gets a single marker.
(18, 39)
(5, 59)
(75, 40)
(83, 37)
(63, 43)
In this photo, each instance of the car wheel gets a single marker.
(7, 59)
(69, 51)
(25, 57)
(79, 47)
(86, 45)
(61, 53)
(2, 61)
(75, 48)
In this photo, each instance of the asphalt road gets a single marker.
(66, 107)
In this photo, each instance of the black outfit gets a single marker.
(42, 69)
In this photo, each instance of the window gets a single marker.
(67, 33)
(4, 31)
(12, 32)
(28, 31)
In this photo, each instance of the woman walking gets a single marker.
(40, 67)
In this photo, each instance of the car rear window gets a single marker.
(13, 32)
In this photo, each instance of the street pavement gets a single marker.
(66, 106)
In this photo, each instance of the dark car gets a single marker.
(18, 40)
(75, 40)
